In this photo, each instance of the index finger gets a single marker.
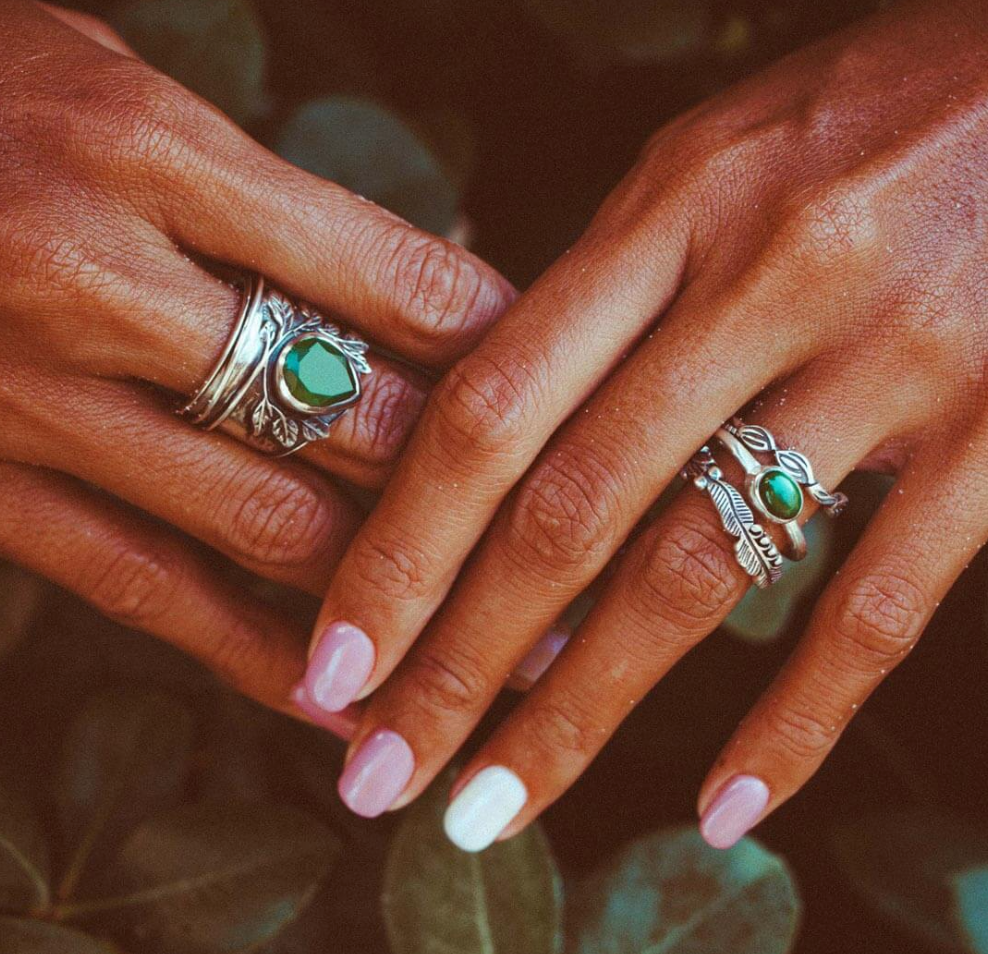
(480, 432)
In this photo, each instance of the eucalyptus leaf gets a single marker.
(41, 937)
(126, 756)
(971, 889)
(211, 877)
(924, 872)
(23, 857)
(652, 30)
(214, 47)
(371, 152)
(671, 893)
(438, 899)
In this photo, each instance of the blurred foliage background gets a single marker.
(144, 809)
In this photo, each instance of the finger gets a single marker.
(866, 623)
(147, 577)
(279, 519)
(227, 198)
(177, 319)
(92, 27)
(672, 588)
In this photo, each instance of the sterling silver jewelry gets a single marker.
(757, 438)
(285, 375)
(754, 549)
(772, 491)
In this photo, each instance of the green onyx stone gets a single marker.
(318, 374)
(780, 495)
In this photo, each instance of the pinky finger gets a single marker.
(151, 578)
(866, 622)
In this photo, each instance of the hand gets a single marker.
(815, 242)
(112, 176)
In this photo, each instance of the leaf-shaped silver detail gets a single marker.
(756, 438)
(315, 429)
(754, 550)
(355, 351)
(796, 465)
(259, 417)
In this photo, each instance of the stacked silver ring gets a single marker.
(259, 390)
(775, 490)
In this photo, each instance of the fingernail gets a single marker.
(734, 811)
(377, 774)
(540, 658)
(339, 667)
(484, 808)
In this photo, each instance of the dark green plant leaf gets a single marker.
(438, 899)
(214, 47)
(670, 893)
(366, 149)
(632, 29)
(921, 871)
(126, 757)
(764, 614)
(23, 857)
(210, 877)
(40, 937)
(971, 889)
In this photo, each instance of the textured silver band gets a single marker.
(754, 472)
(247, 395)
(754, 549)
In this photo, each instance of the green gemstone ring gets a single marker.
(285, 375)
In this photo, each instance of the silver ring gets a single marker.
(798, 467)
(285, 374)
(771, 490)
(754, 549)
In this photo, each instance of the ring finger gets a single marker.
(673, 587)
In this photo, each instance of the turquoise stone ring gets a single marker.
(286, 374)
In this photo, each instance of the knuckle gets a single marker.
(378, 427)
(481, 404)
(832, 230)
(562, 726)
(562, 513)
(394, 570)
(803, 736)
(878, 619)
(688, 577)
(280, 520)
(435, 282)
(448, 683)
(132, 587)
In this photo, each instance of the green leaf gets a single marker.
(971, 889)
(210, 877)
(23, 857)
(629, 29)
(214, 47)
(925, 872)
(764, 614)
(438, 899)
(366, 149)
(40, 937)
(126, 757)
(671, 893)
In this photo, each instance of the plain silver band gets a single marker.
(753, 467)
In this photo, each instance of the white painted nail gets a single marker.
(485, 807)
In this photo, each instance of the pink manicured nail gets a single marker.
(377, 774)
(539, 659)
(736, 808)
(339, 667)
